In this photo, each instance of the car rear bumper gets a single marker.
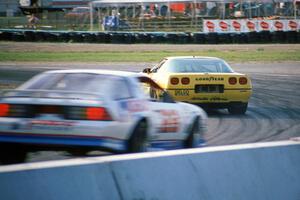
(102, 134)
(64, 140)
(228, 96)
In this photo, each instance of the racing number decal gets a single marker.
(170, 121)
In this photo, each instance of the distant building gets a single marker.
(9, 7)
(33, 6)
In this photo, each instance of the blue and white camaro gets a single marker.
(83, 110)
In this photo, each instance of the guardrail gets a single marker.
(150, 37)
(260, 171)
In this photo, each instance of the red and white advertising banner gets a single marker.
(279, 25)
(209, 26)
(264, 25)
(218, 26)
(293, 25)
(237, 25)
(224, 26)
(249, 25)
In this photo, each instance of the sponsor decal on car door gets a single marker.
(167, 121)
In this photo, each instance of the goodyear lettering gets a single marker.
(210, 79)
(181, 92)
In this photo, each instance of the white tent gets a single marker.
(100, 3)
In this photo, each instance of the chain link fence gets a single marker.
(186, 17)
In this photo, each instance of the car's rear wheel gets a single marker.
(138, 141)
(194, 135)
(12, 153)
(78, 152)
(238, 109)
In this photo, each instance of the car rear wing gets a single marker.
(54, 94)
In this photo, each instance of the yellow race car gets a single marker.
(205, 81)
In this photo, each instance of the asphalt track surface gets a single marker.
(273, 113)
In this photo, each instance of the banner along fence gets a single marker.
(250, 25)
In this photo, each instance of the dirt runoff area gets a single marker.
(84, 47)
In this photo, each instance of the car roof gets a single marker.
(193, 57)
(98, 71)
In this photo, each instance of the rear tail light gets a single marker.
(97, 113)
(88, 113)
(232, 80)
(174, 81)
(4, 110)
(243, 81)
(185, 81)
(15, 110)
(69, 112)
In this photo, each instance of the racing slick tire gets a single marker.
(12, 154)
(193, 133)
(78, 152)
(238, 109)
(138, 140)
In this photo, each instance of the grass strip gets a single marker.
(154, 56)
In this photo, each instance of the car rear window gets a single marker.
(81, 82)
(197, 66)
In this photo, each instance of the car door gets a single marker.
(122, 100)
(167, 116)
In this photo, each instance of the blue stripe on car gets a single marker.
(54, 140)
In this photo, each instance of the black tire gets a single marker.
(194, 131)
(138, 139)
(238, 109)
(78, 152)
(12, 154)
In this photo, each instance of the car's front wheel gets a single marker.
(193, 136)
(78, 152)
(138, 141)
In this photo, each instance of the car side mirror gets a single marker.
(147, 70)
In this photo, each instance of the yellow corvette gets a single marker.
(206, 81)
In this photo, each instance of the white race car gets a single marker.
(83, 110)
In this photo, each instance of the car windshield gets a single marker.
(80, 82)
(195, 65)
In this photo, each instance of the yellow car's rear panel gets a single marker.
(206, 87)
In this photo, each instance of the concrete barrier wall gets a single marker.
(266, 171)
(88, 182)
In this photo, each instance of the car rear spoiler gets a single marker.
(57, 94)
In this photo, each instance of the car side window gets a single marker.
(121, 89)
